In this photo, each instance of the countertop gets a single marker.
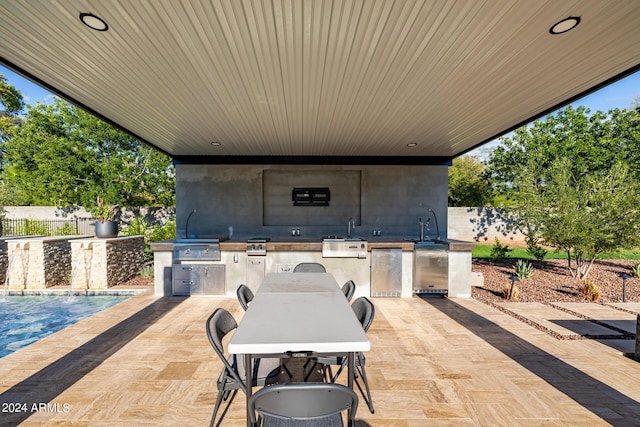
(315, 244)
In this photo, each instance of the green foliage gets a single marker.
(467, 186)
(147, 271)
(32, 227)
(635, 270)
(11, 104)
(102, 211)
(62, 156)
(481, 251)
(164, 232)
(140, 227)
(593, 142)
(499, 251)
(574, 179)
(523, 269)
(535, 250)
(66, 230)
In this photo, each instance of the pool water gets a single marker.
(26, 319)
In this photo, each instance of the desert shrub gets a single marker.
(536, 251)
(147, 271)
(590, 291)
(510, 292)
(499, 251)
(523, 269)
(635, 270)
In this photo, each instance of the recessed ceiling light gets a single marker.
(216, 143)
(567, 24)
(412, 144)
(94, 22)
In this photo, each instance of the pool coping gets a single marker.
(72, 292)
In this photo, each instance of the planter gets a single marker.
(106, 229)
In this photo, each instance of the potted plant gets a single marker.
(105, 215)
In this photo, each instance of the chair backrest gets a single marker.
(349, 288)
(244, 296)
(309, 267)
(364, 311)
(303, 404)
(218, 325)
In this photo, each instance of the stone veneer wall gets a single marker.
(38, 263)
(103, 263)
(4, 261)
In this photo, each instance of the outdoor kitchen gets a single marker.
(384, 227)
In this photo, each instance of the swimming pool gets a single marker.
(26, 319)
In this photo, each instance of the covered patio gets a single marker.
(435, 361)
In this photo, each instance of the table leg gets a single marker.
(248, 374)
(350, 375)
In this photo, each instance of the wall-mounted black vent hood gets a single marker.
(317, 196)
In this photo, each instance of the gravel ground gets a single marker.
(552, 282)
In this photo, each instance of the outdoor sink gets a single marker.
(340, 247)
(429, 243)
(342, 239)
(195, 240)
(426, 242)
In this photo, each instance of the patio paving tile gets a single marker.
(603, 314)
(558, 321)
(434, 361)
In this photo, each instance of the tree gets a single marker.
(467, 186)
(62, 155)
(11, 104)
(594, 143)
(582, 216)
(575, 181)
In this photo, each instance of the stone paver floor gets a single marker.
(434, 361)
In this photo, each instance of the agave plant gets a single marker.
(635, 270)
(523, 269)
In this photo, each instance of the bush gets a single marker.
(590, 291)
(635, 270)
(536, 251)
(499, 251)
(140, 227)
(510, 292)
(147, 271)
(523, 269)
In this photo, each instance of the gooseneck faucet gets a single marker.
(350, 225)
(437, 228)
(186, 227)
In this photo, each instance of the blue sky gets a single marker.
(621, 94)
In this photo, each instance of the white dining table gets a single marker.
(298, 315)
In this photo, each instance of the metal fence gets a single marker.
(40, 227)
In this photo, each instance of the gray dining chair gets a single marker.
(245, 296)
(349, 288)
(232, 378)
(364, 311)
(309, 267)
(302, 405)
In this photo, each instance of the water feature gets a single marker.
(27, 319)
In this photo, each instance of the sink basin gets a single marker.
(342, 239)
(425, 242)
(197, 241)
(344, 248)
(430, 243)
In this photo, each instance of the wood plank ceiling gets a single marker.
(320, 77)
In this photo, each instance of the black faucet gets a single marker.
(437, 228)
(186, 227)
